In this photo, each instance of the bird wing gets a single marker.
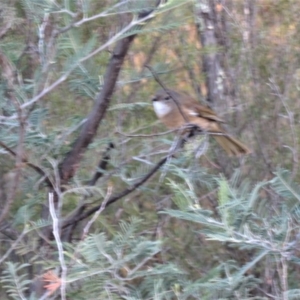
(206, 112)
(196, 109)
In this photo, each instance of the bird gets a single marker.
(176, 109)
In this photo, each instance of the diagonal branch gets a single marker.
(69, 165)
(102, 165)
(38, 169)
(118, 196)
(73, 220)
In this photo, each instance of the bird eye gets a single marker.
(167, 98)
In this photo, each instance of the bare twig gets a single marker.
(85, 19)
(147, 135)
(56, 233)
(97, 213)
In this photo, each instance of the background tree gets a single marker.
(97, 198)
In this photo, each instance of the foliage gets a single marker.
(184, 224)
(14, 283)
(267, 233)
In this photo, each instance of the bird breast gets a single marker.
(161, 109)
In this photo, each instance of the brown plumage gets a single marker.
(192, 112)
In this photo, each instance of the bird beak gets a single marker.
(154, 98)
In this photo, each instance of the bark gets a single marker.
(206, 20)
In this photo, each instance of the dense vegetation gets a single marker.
(98, 200)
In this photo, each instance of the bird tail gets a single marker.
(232, 146)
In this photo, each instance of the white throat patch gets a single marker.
(161, 108)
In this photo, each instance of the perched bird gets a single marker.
(177, 109)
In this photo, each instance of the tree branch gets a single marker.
(39, 170)
(102, 165)
(206, 25)
(118, 196)
(69, 165)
